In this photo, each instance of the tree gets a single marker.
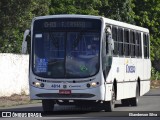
(121, 10)
(74, 7)
(15, 17)
(148, 15)
(11, 14)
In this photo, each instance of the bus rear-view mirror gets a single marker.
(111, 43)
(24, 43)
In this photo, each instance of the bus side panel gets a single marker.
(130, 80)
(140, 73)
(120, 69)
(108, 88)
(117, 73)
(145, 82)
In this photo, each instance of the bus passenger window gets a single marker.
(114, 36)
(132, 43)
(140, 45)
(126, 42)
(120, 41)
(145, 45)
(136, 44)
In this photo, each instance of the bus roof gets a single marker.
(125, 25)
(106, 20)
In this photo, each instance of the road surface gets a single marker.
(149, 104)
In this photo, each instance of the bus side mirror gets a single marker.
(111, 42)
(108, 30)
(24, 43)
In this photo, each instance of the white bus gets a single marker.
(87, 60)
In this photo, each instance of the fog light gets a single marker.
(88, 85)
(93, 84)
(42, 85)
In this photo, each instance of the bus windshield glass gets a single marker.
(66, 48)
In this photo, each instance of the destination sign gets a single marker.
(66, 24)
(73, 24)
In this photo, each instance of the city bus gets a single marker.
(87, 60)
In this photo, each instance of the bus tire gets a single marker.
(125, 102)
(48, 105)
(134, 101)
(109, 105)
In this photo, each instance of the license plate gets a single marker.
(65, 92)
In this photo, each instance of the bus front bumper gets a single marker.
(96, 93)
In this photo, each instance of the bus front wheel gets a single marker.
(48, 105)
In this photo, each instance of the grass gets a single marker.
(15, 100)
(155, 84)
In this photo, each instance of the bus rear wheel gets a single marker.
(109, 105)
(48, 105)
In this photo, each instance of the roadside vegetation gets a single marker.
(155, 78)
(15, 100)
(155, 84)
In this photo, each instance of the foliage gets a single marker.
(74, 7)
(147, 14)
(155, 74)
(118, 10)
(16, 16)
(9, 25)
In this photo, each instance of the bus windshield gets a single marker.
(69, 51)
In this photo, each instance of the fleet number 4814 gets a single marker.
(55, 86)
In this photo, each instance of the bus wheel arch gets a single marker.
(139, 84)
(110, 105)
(115, 87)
(134, 100)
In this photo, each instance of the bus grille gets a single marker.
(73, 95)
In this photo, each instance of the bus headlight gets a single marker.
(93, 84)
(37, 84)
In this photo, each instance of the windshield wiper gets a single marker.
(55, 43)
(76, 41)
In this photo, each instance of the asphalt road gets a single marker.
(149, 104)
